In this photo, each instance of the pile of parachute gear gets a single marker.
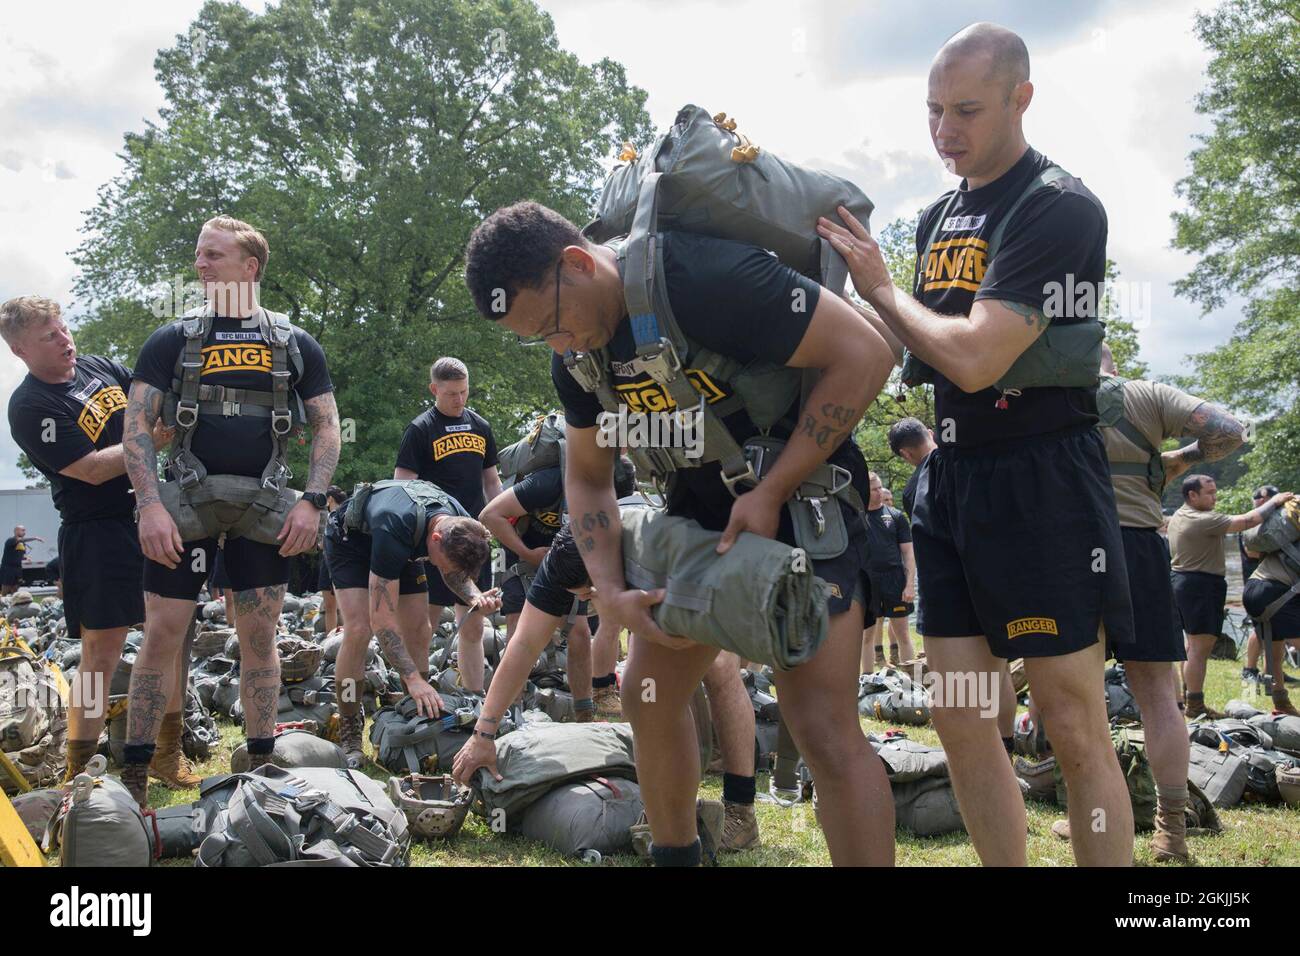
(1121, 705)
(767, 715)
(308, 816)
(383, 685)
(1246, 757)
(297, 744)
(891, 695)
(924, 801)
(33, 713)
(407, 743)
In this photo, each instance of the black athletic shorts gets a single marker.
(347, 560)
(1021, 543)
(1259, 594)
(102, 570)
(1156, 632)
(512, 595)
(561, 569)
(11, 575)
(219, 578)
(443, 596)
(1200, 599)
(249, 564)
(887, 594)
(323, 580)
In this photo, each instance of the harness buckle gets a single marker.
(187, 413)
(230, 408)
(189, 479)
(281, 422)
(748, 475)
(661, 362)
(820, 518)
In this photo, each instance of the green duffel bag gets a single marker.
(927, 806)
(596, 814)
(295, 747)
(36, 808)
(1284, 729)
(536, 759)
(99, 823)
(1220, 774)
(750, 601)
(1130, 748)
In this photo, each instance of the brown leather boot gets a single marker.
(135, 777)
(1170, 840)
(79, 753)
(169, 763)
(351, 731)
(1196, 708)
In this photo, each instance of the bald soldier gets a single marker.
(1014, 505)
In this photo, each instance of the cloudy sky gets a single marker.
(832, 83)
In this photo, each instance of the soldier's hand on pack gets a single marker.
(1281, 498)
(427, 701)
(300, 529)
(162, 435)
(629, 610)
(159, 539)
(479, 752)
(861, 254)
(755, 511)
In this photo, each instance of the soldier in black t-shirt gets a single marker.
(1017, 541)
(893, 580)
(911, 441)
(233, 436)
(742, 303)
(11, 565)
(394, 538)
(67, 416)
(452, 445)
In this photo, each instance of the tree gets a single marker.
(366, 140)
(1121, 334)
(34, 478)
(1243, 219)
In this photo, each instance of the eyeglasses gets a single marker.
(531, 340)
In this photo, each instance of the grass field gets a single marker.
(1253, 834)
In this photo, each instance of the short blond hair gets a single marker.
(250, 240)
(20, 314)
(448, 369)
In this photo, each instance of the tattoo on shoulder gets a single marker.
(1029, 313)
(1217, 433)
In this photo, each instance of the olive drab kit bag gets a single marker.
(1110, 413)
(701, 176)
(1064, 355)
(1278, 533)
(423, 493)
(210, 506)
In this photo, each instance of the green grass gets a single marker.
(1253, 834)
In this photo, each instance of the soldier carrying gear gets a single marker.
(235, 379)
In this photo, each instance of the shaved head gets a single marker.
(1005, 55)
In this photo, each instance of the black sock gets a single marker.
(1195, 695)
(261, 745)
(676, 855)
(609, 680)
(1010, 744)
(738, 789)
(137, 753)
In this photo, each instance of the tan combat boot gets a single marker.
(739, 827)
(169, 764)
(351, 733)
(609, 706)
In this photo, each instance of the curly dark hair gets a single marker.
(465, 542)
(907, 433)
(515, 247)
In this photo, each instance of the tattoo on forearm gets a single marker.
(323, 417)
(462, 586)
(1030, 314)
(831, 427)
(590, 522)
(391, 644)
(138, 452)
(1217, 433)
(260, 689)
(146, 705)
(382, 597)
(589, 544)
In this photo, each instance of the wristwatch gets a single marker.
(316, 499)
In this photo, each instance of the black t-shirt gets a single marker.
(887, 528)
(450, 452)
(1058, 232)
(57, 425)
(734, 299)
(235, 355)
(13, 556)
(909, 492)
(1248, 564)
(542, 495)
(399, 529)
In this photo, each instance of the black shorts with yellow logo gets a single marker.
(887, 594)
(1021, 544)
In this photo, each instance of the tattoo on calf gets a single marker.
(261, 691)
(146, 706)
(257, 611)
